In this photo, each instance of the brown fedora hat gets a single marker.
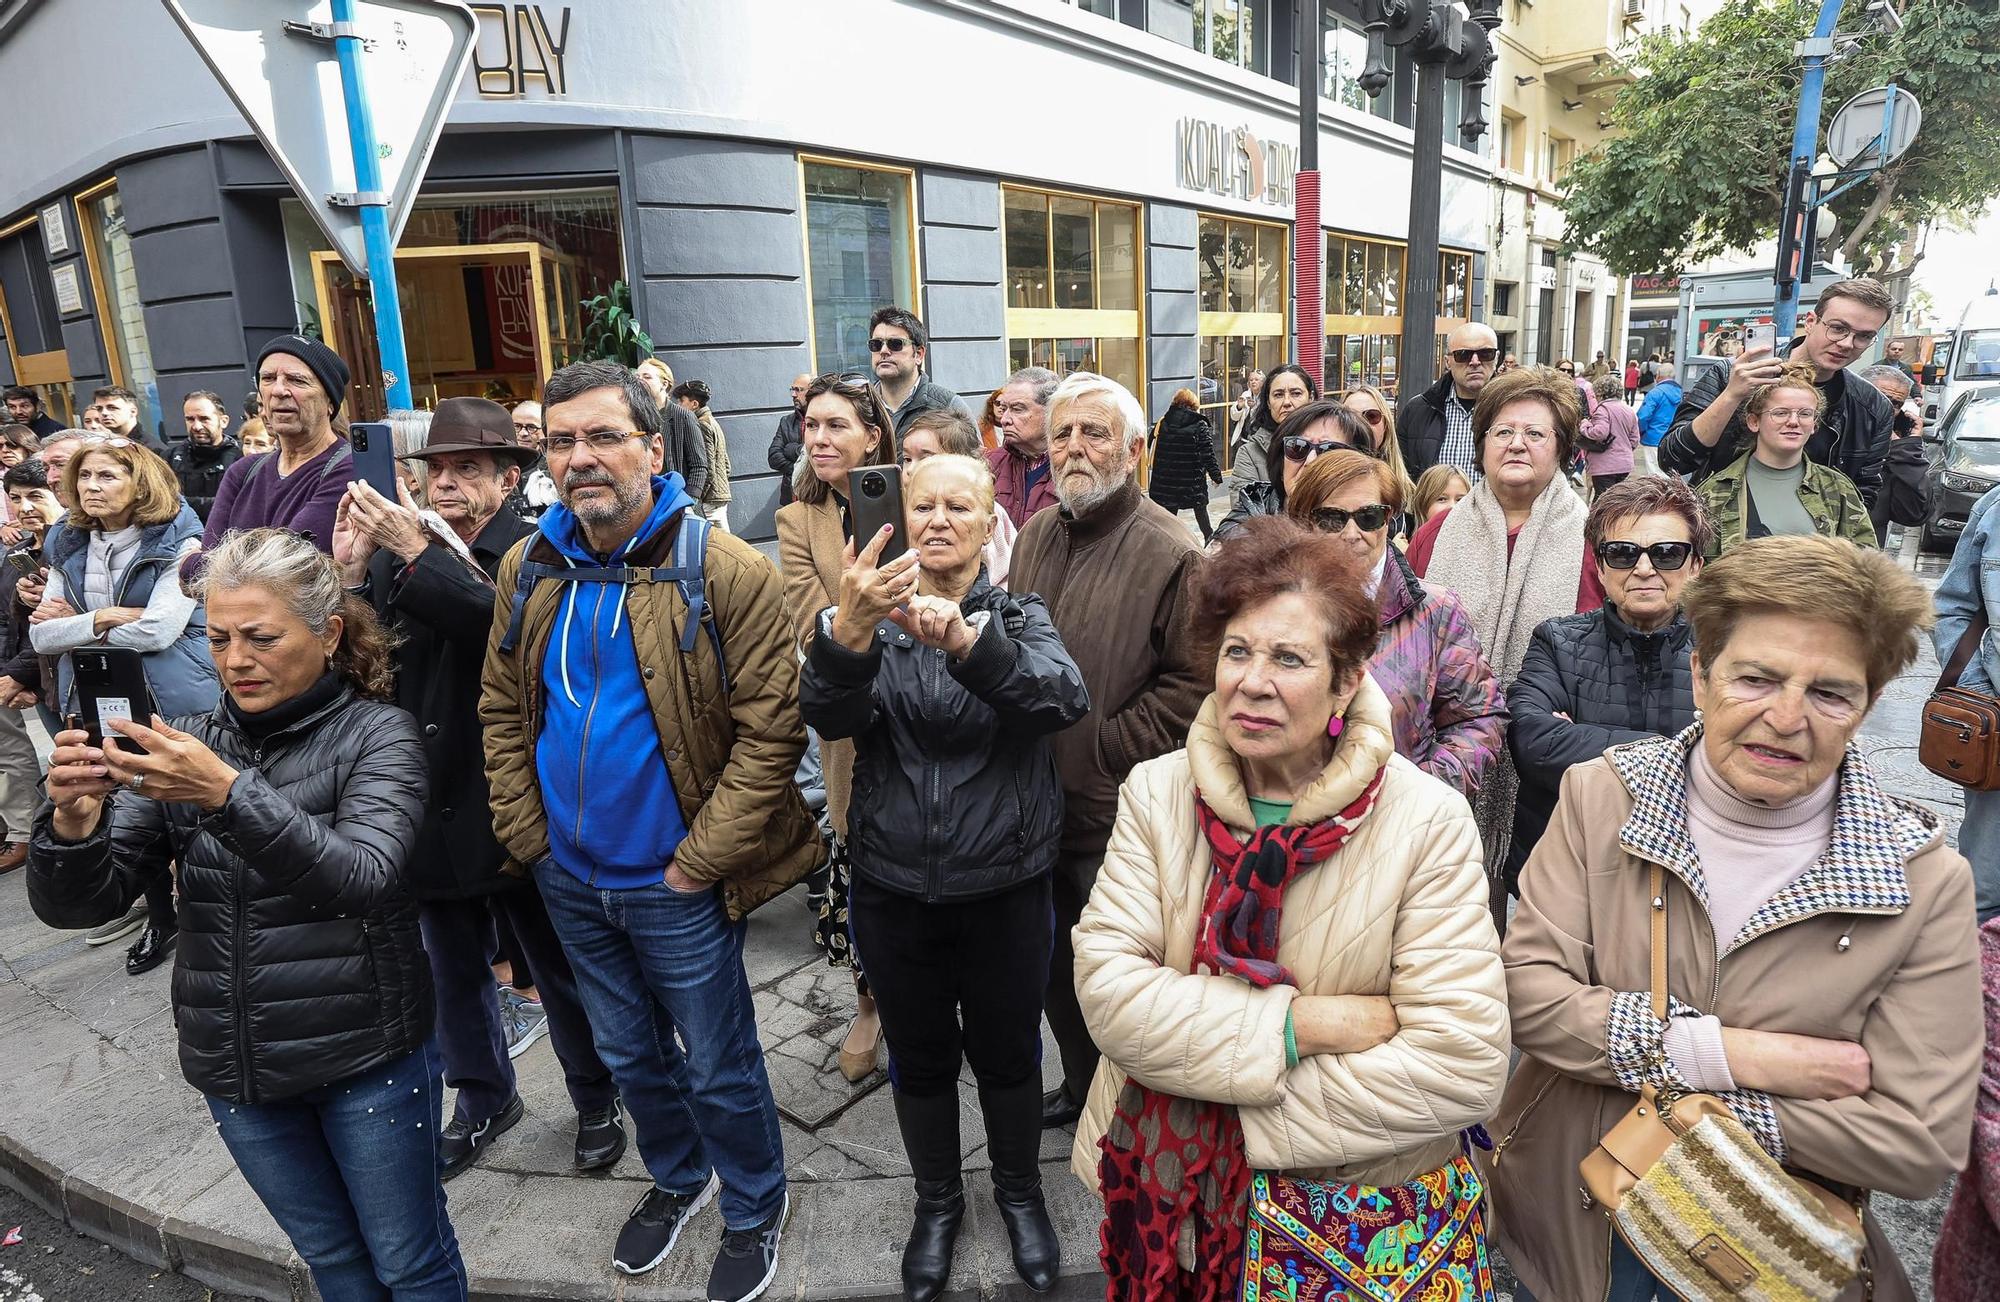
(473, 425)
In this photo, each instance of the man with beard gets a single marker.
(24, 407)
(900, 348)
(1022, 483)
(1112, 566)
(439, 599)
(202, 461)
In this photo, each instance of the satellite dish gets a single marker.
(1857, 137)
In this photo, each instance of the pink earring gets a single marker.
(1334, 725)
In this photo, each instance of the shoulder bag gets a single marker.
(1960, 736)
(1701, 1203)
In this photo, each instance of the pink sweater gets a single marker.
(1748, 853)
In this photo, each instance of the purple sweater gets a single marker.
(253, 494)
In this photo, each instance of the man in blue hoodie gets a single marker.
(1656, 414)
(640, 703)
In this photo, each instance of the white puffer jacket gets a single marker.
(1400, 911)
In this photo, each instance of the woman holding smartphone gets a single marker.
(113, 583)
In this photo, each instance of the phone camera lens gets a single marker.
(873, 484)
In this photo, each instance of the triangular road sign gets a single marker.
(276, 60)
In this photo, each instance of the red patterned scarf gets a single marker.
(1168, 1161)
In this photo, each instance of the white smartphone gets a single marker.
(1759, 336)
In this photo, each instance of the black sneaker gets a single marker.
(655, 1225)
(461, 1142)
(749, 1259)
(600, 1137)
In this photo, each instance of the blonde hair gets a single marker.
(1432, 485)
(1798, 373)
(1386, 447)
(655, 364)
(974, 469)
(156, 492)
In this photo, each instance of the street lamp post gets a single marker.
(1446, 47)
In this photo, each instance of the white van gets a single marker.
(1968, 359)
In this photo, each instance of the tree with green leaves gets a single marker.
(1703, 136)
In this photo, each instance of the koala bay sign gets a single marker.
(1231, 162)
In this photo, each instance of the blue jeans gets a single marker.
(1630, 1280)
(350, 1173)
(652, 962)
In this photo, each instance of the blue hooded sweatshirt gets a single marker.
(613, 818)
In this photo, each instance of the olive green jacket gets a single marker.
(1828, 496)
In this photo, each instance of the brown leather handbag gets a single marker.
(1960, 735)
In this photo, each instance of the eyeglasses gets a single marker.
(890, 345)
(604, 440)
(1299, 448)
(1466, 356)
(1331, 519)
(1567, 370)
(106, 440)
(1535, 436)
(521, 428)
(1839, 330)
(1804, 415)
(1663, 555)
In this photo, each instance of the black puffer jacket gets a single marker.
(300, 961)
(1183, 460)
(1615, 684)
(1852, 436)
(955, 787)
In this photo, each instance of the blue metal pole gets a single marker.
(374, 211)
(1805, 147)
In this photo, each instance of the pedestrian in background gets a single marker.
(1968, 604)
(32, 509)
(302, 1001)
(1609, 434)
(787, 444)
(693, 396)
(949, 691)
(1632, 378)
(685, 442)
(1436, 424)
(1184, 461)
(1905, 495)
(1656, 414)
(1966, 1266)
(1022, 482)
(208, 452)
(899, 349)
(254, 438)
(1252, 458)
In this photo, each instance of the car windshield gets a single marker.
(1978, 421)
(1978, 356)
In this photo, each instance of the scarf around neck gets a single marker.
(1505, 595)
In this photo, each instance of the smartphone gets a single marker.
(374, 456)
(1759, 336)
(24, 563)
(875, 498)
(110, 684)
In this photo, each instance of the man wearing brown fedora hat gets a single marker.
(423, 587)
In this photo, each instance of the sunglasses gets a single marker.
(1663, 555)
(1298, 448)
(1567, 370)
(1331, 519)
(890, 345)
(1466, 356)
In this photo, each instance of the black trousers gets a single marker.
(1598, 483)
(1073, 879)
(958, 982)
(458, 937)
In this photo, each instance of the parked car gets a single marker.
(1969, 360)
(1966, 463)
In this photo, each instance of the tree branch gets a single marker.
(1885, 194)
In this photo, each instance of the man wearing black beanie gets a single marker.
(300, 385)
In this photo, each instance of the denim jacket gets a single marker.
(1972, 583)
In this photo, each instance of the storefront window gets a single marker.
(1072, 283)
(1243, 276)
(1364, 307)
(119, 313)
(31, 320)
(1344, 56)
(861, 255)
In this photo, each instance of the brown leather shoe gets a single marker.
(13, 856)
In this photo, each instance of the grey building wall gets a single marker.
(1173, 317)
(965, 302)
(714, 238)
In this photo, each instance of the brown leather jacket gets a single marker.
(1874, 944)
(732, 756)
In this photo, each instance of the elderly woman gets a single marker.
(1773, 488)
(949, 690)
(1821, 969)
(301, 996)
(1310, 432)
(843, 428)
(1184, 461)
(1290, 968)
(1514, 551)
(1618, 673)
(946, 429)
(1609, 432)
(1284, 391)
(1448, 715)
(112, 583)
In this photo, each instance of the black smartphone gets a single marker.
(110, 684)
(374, 456)
(875, 498)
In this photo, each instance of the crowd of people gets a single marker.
(1356, 814)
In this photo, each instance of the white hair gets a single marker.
(1079, 385)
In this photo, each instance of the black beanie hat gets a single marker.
(323, 362)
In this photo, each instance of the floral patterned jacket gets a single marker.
(1450, 716)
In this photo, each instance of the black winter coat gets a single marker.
(1905, 496)
(299, 961)
(1853, 434)
(1615, 684)
(1420, 427)
(787, 445)
(200, 471)
(1183, 461)
(687, 454)
(444, 614)
(955, 790)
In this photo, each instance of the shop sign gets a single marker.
(518, 43)
(1586, 275)
(1657, 282)
(1231, 162)
(1545, 277)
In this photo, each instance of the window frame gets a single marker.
(91, 228)
(1343, 325)
(31, 370)
(909, 175)
(1233, 324)
(1032, 325)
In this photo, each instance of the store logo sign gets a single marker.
(1656, 283)
(518, 43)
(1231, 162)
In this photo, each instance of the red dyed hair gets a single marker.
(1272, 555)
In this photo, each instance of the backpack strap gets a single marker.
(531, 573)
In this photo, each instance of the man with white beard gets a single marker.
(1113, 567)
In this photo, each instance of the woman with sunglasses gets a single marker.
(1774, 488)
(1286, 389)
(1312, 431)
(1618, 673)
(1445, 708)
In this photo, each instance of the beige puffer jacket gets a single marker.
(1400, 911)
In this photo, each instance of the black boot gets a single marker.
(1014, 1138)
(930, 1137)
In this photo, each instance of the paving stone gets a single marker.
(226, 1239)
(123, 1192)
